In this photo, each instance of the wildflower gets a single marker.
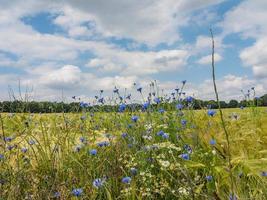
(179, 106)
(116, 90)
(232, 197)
(183, 82)
(128, 96)
(84, 105)
(185, 156)
(122, 107)
(145, 105)
(32, 142)
(139, 89)
(24, 149)
(188, 148)
(10, 147)
(264, 173)
(82, 139)
(77, 148)
(83, 118)
(101, 100)
(209, 178)
(126, 180)
(77, 192)
(135, 118)
(133, 171)
(157, 100)
(212, 142)
(160, 133)
(8, 139)
(103, 144)
(161, 110)
(183, 122)
(189, 99)
(2, 156)
(98, 183)
(56, 194)
(211, 113)
(165, 136)
(93, 152)
(124, 135)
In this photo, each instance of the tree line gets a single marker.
(58, 107)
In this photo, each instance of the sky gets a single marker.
(53, 50)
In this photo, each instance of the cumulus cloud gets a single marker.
(252, 26)
(141, 63)
(206, 60)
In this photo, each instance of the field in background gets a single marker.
(154, 154)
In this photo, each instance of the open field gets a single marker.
(156, 155)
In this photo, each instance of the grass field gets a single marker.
(180, 154)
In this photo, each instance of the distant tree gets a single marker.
(233, 104)
(223, 104)
(264, 100)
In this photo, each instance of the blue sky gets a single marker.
(80, 47)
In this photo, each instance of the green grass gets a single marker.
(52, 164)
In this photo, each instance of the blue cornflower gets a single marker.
(184, 81)
(135, 118)
(124, 135)
(179, 106)
(101, 100)
(157, 100)
(165, 136)
(145, 105)
(139, 89)
(177, 90)
(83, 118)
(93, 152)
(209, 178)
(82, 139)
(160, 133)
(122, 107)
(183, 122)
(98, 183)
(10, 147)
(2, 156)
(161, 110)
(77, 192)
(77, 148)
(24, 149)
(232, 197)
(189, 99)
(56, 194)
(185, 156)
(126, 180)
(103, 144)
(84, 105)
(133, 171)
(212, 142)
(188, 148)
(211, 113)
(8, 139)
(129, 96)
(116, 90)
(264, 173)
(31, 142)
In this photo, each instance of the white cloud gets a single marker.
(249, 20)
(206, 60)
(149, 21)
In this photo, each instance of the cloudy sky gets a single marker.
(77, 47)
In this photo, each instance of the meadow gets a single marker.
(149, 153)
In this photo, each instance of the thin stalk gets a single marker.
(221, 116)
